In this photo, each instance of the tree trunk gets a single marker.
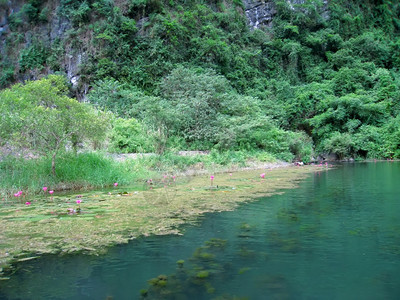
(53, 164)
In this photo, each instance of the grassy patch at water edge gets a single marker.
(92, 221)
(81, 171)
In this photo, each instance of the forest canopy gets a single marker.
(320, 78)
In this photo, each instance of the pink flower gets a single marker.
(116, 184)
(212, 179)
(51, 192)
(27, 203)
(44, 188)
(17, 194)
(78, 201)
(262, 175)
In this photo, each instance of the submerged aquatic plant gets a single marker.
(159, 281)
(180, 263)
(202, 274)
(216, 243)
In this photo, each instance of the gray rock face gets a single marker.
(261, 12)
(48, 32)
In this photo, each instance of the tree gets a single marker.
(41, 117)
(196, 96)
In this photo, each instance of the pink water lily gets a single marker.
(18, 194)
(44, 188)
(27, 203)
(78, 201)
(262, 175)
(116, 184)
(51, 192)
(212, 179)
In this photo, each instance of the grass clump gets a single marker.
(74, 171)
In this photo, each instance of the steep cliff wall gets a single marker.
(40, 37)
(261, 12)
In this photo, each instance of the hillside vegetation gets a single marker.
(192, 75)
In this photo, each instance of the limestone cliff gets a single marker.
(261, 12)
(21, 48)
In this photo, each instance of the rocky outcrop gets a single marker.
(262, 12)
(259, 12)
(54, 29)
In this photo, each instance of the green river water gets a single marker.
(337, 236)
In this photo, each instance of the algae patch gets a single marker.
(103, 218)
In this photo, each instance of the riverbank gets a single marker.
(91, 222)
(91, 170)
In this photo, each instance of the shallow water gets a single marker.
(337, 236)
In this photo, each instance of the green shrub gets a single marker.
(275, 141)
(301, 146)
(228, 157)
(15, 21)
(7, 76)
(341, 144)
(33, 57)
(391, 134)
(369, 142)
(266, 157)
(128, 136)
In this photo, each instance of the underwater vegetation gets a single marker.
(92, 221)
(193, 279)
(205, 273)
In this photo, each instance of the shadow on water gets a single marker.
(337, 236)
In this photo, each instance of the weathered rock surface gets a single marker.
(259, 12)
(262, 12)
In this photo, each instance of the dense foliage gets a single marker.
(39, 116)
(178, 74)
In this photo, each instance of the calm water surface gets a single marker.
(335, 237)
